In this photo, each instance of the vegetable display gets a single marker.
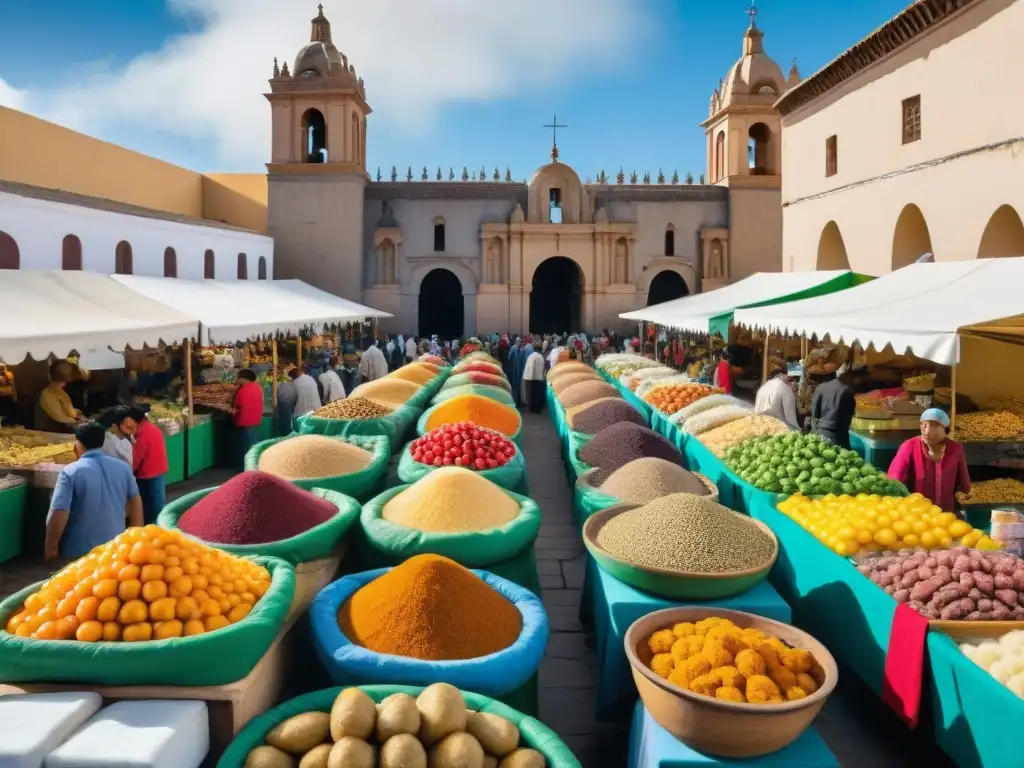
(463, 444)
(960, 584)
(793, 462)
(670, 398)
(1002, 658)
(720, 439)
(713, 657)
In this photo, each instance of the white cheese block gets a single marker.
(139, 734)
(32, 725)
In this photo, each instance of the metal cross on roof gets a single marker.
(554, 125)
(752, 13)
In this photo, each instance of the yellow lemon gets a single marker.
(959, 528)
(846, 548)
(901, 527)
(886, 537)
(911, 540)
(972, 538)
(919, 526)
(865, 536)
(945, 541)
(928, 539)
(884, 521)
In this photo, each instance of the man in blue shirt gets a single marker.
(91, 499)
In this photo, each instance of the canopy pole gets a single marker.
(952, 416)
(804, 346)
(188, 384)
(298, 353)
(764, 359)
(273, 359)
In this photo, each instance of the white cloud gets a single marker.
(415, 55)
(11, 96)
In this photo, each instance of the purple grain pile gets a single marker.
(592, 420)
(619, 444)
(584, 391)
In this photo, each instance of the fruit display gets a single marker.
(354, 409)
(618, 365)
(1003, 658)
(146, 584)
(959, 584)
(633, 380)
(20, 447)
(165, 412)
(720, 439)
(670, 398)
(793, 462)
(714, 657)
(988, 425)
(463, 444)
(403, 731)
(1002, 490)
(849, 525)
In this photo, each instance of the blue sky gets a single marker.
(453, 82)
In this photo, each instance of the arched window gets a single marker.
(209, 265)
(355, 141)
(314, 134)
(719, 169)
(170, 262)
(10, 257)
(759, 150)
(670, 240)
(243, 267)
(71, 254)
(439, 234)
(261, 268)
(123, 258)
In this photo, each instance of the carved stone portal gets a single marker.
(621, 261)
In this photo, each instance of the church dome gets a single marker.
(319, 57)
(756, 78)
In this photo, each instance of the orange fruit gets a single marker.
(108, 609)
(153, 590)
(111, 631)
(211, 623)
(89, 632)
(129, 590)
(87, 609)
(193, 627)
(133, 612)
(135, 633)
(169, 628)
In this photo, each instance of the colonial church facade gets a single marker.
(476, 256)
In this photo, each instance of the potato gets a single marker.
(316, 757)
(403, 751)
(985, 583)
(1007, 597)
(1002, 581)
(350, 752)
(352, 714)
(490, 761)
(457, 750)
(442, 711)
(397, 714)
(269, 757)
(523, 758)
(496, 735)
(885, 579)
(901, 595)
(923, 590)
(957, 609)
(299, 734)
(967, 579)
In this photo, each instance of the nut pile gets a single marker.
(683, 532)
(988, 425)
(353, 409)
(1002, 490)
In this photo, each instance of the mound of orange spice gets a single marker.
(431, 608)
(670, 398)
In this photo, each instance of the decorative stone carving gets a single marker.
(621, 261)
(494, 272)
(714, 267)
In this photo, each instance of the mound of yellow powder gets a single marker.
(451, 500)
(305, 457)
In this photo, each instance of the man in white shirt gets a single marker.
(331, 382)
(373, 366)
(117, 442)
(411, 352)
(776, 398)
(307, 394)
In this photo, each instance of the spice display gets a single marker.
(714, 657)
(572, 413)
(647, 479)
(562, 383)
(669, 398)
(488, 380)
(482, 411)
(1002, 657)
(255, 508)
(714, 418)
(850, 524)
(305, 457)
(463, 445)
(432, 359)
(595, 417)
(146, 584)
(451, 500)
(720, 439)
(701, 405)
(397, 733)
(417, 373)
(585, 392)
(20, 447)
(959, 584)
(432, 608)
(389, 389)
(793, 462)
(683, 532)
(619, 444)
(988, 425)
(354, 409)
(564, 369)
(478, 366)
(1002, 490)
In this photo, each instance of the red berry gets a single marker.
(480, 464)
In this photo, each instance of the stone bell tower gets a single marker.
(317, 170)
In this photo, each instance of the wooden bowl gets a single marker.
(666, 582)
(726, 728)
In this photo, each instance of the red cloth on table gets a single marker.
(248, 405)
(149, 454)
(904, 664)
(724, 376)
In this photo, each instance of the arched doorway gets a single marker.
(10, 256)
(1003, 236)
(911, 239)
(832, 249)
(442, 307)
(556, 296)
(666, 286)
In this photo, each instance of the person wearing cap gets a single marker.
(932, 464)
(832, 410)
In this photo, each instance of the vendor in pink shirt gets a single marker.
(932, 464)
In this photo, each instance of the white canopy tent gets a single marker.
(232, 310)
(48, 312)
(696, 313)
(921, 307)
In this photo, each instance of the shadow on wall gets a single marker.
(236, 198)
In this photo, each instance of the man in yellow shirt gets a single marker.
(54, 411)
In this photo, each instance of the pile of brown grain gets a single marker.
(586, 391)
(649, 478)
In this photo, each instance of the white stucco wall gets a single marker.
(653, 219)
(39, 227)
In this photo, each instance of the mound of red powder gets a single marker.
(255, 508)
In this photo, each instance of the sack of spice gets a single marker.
(497, 394)
(476, 377)
(397, 426)
(482, 411)
(258, 514)
(308, 463)
(511, 476)
(533, 733)
(213, 658)
(450, 624)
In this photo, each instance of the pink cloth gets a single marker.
(936, 481)
(724, 376)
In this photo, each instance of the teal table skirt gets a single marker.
(651, 746)
(668, 430)
(201, 446)
(614, 606)
(13, 502)
(733, 492)
(880, 449)
(175, 456)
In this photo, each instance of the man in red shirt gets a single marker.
(149, 463)
(246, 414)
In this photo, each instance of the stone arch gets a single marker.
(243, 267)
(555, 180)
(71, 254)
(1003, 235)
(170, 262)
(314, 136)
(658, 266)
(209, 265)
(670, 240)
(667, 285)
(719, 169)
(911, 238)
(123, 258)
(556, 296)
(10, 256)
(261, 268)
(759, 150)
(442, 304)
(832, 249)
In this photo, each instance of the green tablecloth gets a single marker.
(878, 449)
(175, 457)
(12, 516)
(201, 447)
